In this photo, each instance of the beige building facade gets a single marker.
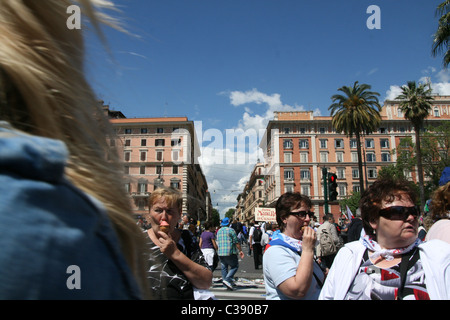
(298, 145)
(161, 152)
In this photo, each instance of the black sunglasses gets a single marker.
(302, 214)
(399, 212)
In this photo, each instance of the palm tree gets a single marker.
(354, 113)
(442, 35)
(415, 103)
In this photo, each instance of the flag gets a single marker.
(349, 213)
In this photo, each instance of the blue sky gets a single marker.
(231, 63)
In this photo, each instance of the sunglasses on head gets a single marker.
(399, 212)
(302, 214)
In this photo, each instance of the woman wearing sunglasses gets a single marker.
(290, 271)
(389, 262)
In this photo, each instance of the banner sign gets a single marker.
(265, 214)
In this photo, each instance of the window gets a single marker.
(354, 156)
(384, 143)
(175, 169)
(175, 184)
(436, 112)
(303, 144)
(126, 170)
(342, 190)
(338, 143)
(353, 144)
(143, 155)
(175, 155)
(372, 173)
(339, 156)
(369, 143)
(304, 157)
(355, 173)
(159, 155)
(399, 113)
(340, 172)
(287, 144)
(143, 142)
(305, 175)
(289, 174)
(158, 169)
(306, 190)
(159, 130)
(322, 130)
(385, 157)
(142, 170)
(127, 187)
(324, 157)
(289, 188)
(286, 130)
(142, 186)
(323, 143)
(356, 188)
(127, 142)
(160, 142)
(144, 130)
(127, 156)
(370, 157)
(302, 130)
(127, 131)
(287, 157)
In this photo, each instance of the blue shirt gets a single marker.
(47, 226)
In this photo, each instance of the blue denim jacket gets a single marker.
(47, 226)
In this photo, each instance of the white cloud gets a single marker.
(439, 83)
(229, 157)
(393, 92)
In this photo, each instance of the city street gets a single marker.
(249, 282)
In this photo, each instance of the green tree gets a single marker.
(215, 217)
(415, 103)
(435, 151)
(355, 112)
(442, 35)
(351, 201)
(230, 213)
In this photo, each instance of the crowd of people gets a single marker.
(55, 215)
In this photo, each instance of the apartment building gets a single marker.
(298, 145)
(160, 152)
(252, 196)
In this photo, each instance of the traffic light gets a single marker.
(332, 186)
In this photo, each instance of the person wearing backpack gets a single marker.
(328, 241)
(255, 237)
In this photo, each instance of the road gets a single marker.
(249, 282)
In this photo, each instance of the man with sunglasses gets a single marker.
(389, 262)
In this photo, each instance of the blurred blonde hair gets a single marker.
(43, 91)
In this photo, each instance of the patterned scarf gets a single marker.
(297, 244)
(388, 254)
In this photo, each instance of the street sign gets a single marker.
(265, 214)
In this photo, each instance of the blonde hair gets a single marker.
(43, 91)
(173, 197)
